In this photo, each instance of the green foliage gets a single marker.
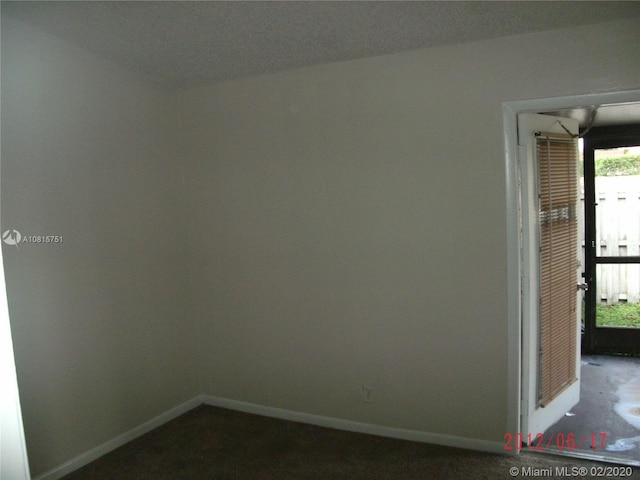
(617, 166)
(618, 315)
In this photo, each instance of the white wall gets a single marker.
(320, 253)
(349, 226)
(100, 322)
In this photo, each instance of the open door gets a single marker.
(14, 463)
(552, 268)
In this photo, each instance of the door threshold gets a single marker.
(584, 456)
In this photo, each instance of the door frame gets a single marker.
(516, 267)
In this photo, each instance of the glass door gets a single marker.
(612, 239)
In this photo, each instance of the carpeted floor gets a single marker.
(215, 443)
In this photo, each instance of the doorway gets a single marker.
(612, 240)
(605, 424)
(616, 108)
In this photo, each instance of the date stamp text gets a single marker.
(560, 441)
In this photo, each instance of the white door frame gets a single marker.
(515, 265)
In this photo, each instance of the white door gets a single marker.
(14, 464)
(550, 354)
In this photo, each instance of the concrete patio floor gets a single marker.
(605, 424)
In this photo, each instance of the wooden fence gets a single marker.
(617, 234)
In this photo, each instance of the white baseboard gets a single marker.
(96, 452)
(351, 426)
(319, 420)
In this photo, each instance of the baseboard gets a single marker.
(96, 452)
(319, 420)
(358, 427)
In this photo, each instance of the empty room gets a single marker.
(311, 212)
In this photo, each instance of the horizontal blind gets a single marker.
(558, 183)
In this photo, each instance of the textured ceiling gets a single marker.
(192, 43)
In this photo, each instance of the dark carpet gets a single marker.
(215, 443)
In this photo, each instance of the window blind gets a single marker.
(557, 194)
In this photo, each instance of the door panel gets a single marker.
(612, 239)
(551, 323)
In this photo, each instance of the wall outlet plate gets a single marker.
(367, 394)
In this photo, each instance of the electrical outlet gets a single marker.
(367, 394)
